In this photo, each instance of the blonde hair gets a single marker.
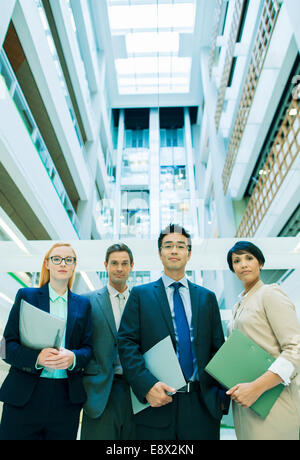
(45, 273)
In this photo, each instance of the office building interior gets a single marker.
(121, 116)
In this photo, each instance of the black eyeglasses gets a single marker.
(169, 246)
(57, 260)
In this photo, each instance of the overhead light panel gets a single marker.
(7, 299)
(87, 281)
(13, 236)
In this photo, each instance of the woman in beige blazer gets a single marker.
(266, 315)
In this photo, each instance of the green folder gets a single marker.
(241, 360)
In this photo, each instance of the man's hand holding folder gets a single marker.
(162, 362)
(160, 394)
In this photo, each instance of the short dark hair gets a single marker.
(118, 247)
(174, 228)
(245, 246)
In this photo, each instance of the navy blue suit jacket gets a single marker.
(147, 320)
(23, 376)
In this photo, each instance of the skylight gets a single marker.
(152, 42)
(150, 61)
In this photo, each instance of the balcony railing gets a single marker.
(267, 23)
(228, 60)
(280, 160)
(60, 74)
(19, 99)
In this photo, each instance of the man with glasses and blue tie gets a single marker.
(107, 411)
(190, 315)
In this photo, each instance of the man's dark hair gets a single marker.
(174, 228)
(118, 247)
(245, 246)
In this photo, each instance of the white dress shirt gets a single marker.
(117, 305)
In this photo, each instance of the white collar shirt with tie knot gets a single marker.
(118, 301)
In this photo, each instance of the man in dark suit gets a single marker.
(190, 315)
(107, 411)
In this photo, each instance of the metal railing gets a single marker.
(284, 151)
(23, 108)
(60, 74)
(267, 23)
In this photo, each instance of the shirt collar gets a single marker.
(54, 296)
(113, 292)
(168, 281)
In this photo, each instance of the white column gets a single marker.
(6, 11)
(224, 207)
(82, 17)
(117, 197)
(154, 173)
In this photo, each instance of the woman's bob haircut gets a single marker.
(245, 246)
(45, 274)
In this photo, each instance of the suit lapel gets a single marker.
(104, 303)
(160, 293)
(194, 295)
(72, 315)
(43, 298)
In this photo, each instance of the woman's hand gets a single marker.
(45, 354)
(244, 394)
(56, 359)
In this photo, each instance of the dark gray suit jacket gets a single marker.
(99, 374)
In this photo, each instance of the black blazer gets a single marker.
(22, 378)
(147, 320)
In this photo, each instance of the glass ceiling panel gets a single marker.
(153, 65)
(153, 81)
(152, 42)
(154, 16)
(153, 89)
(151, 32)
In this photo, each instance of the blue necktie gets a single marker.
(183, 333)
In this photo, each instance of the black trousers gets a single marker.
(189, 420)
(116, 422)
(49, 415)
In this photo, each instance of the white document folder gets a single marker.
(39, 329)
(162, 362)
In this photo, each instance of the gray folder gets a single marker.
(39, 329)
(162, 362)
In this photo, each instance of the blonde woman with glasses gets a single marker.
(43, 393)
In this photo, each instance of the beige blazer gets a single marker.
(268, 317)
